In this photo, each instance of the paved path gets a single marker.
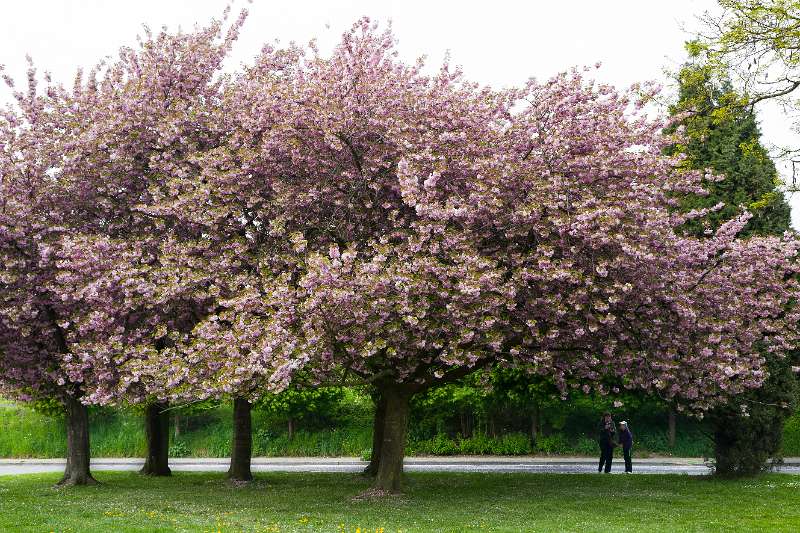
(558, 465)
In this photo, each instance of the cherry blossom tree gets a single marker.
(34, 324)
(117, 282)
(437, 227)
(176, 268)
(171, 234)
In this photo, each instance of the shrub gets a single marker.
(553, 444)
(179, 449)
(586, 446)
(791, 436)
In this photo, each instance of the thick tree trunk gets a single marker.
(378, 423)
(390, 469)
(242, 445)
(156, 429)
(78, 452)
(671, 429)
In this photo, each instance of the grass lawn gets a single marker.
(432, 502)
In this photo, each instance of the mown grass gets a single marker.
(432, 502)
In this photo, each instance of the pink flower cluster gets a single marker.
(169, 231)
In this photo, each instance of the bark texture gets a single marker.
(377, 436)
(78, 452)
(156, 429)
(242, 445)
(390, 469)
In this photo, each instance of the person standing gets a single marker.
(606, 441)
(626, 441)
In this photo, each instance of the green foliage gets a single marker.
(749, 431)
(554, 445)
(320, 443)
(756, 41)
(48, 406)
(317, 404)
(25, 432)
(179, 448)
(207, 433)
(791, 436)
(721, 134)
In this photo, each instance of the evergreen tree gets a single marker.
(725, 138)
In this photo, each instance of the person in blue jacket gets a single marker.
(626, 441)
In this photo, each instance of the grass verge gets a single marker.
(432, 502)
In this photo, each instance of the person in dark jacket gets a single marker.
(606, 440)
(626, 441)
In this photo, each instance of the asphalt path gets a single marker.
(564, 465)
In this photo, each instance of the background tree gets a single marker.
(725, 139)
(755, 42)
(296, 404)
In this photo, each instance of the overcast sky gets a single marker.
(498, 42)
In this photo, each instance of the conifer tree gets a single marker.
(725, 139)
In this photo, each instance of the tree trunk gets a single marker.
(176, 421)
(535, 422)
(291, 428)
(378, 423)
(390, 469)
(242, 446)
(465, 418)
(156, 429)
(671, 429)
(78, 452)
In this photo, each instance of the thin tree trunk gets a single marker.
(671, 428)
(291, 428)
(390, 469)
(176, 420)
(78, 451)
(378, 423)
(156, 429)
(535, 422)
(466, 424)
(242, 445)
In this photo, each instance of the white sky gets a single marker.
(499, 42)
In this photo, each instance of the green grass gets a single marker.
(27, 433)
(119, 433)
(432, 503)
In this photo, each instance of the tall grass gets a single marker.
(119, 433)
(27, 433)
